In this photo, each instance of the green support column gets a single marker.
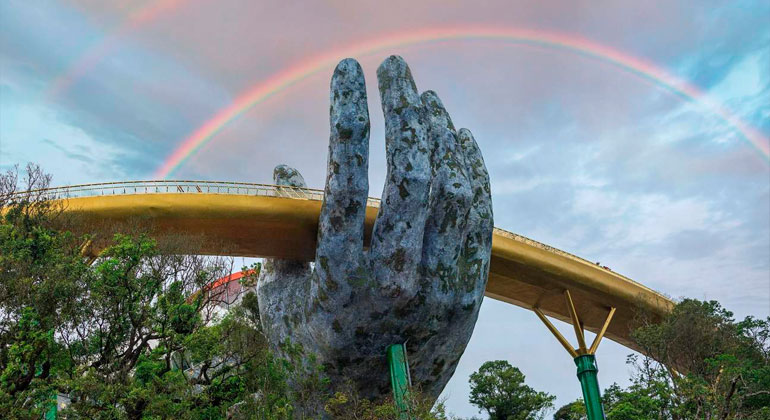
(53, 408)
(589, 382)
(399, 378)
(583, 356)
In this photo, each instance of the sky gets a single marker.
(630, 133)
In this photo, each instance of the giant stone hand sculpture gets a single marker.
(422, 279)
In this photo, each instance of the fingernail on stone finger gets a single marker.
(396, 85)
(437, 114)
(349, 114)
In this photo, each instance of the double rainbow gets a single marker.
(544, 39)
(95, 53)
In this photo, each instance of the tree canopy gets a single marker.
(499, 389)
(699, 363)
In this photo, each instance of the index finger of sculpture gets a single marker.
(450, 198)
(398, 231)
(339, 253)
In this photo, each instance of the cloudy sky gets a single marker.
(631, 133)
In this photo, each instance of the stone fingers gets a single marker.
(339, 253)
(283, 284)
(396, 248)
(461, 308)
(286, 176)
(450, 199)
(477, 248)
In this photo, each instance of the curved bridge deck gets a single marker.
(256, 220)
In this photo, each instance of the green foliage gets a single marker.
(499, 389)
(576, 410)
(125, 336)
(637, 402)
(701, 363)
(704, 364)
(250, 274)
(130, 344)
(346, 405)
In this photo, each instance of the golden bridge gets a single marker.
(257, 220)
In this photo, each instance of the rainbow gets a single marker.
(543, 39)
(94, 54)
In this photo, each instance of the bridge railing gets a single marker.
(178, 187)
(231, 188)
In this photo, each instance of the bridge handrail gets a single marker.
(178, 187)
(241, 188)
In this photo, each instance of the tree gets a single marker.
(133, 334)
(576, 410)
(498, 388)
(699, 363)
(37, 265)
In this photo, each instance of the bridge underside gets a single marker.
(523, 272)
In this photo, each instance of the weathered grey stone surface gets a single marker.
(422, 279)
(282, 283)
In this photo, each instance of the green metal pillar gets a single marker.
(583, 356)
(53, 408)
(399, 378)
(586, 373)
